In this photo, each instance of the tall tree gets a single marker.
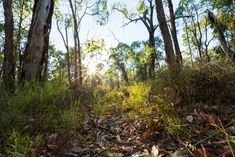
(120, 56)
(77, 46)
(9, 59)
(66, 22)
(170, 57)
(174, 32)
(145, 14)
(35, 57)
(22, 9)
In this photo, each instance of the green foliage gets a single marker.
(94, 46)
(35, 110)
(171, 119)
(101, 12)
(72, 117)
(138, 95)
(104, 102)
(142, 7)
(22, 145)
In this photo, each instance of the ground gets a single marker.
(206, 131)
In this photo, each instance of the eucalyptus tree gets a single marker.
(64, 22)
(36, 51)
(120, 56)
(170, 56)
(22, 9)
(9, 59)
(197, 32)
(145, 14)
(174, 32)
(79, 9)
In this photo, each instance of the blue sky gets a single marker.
(90, 29)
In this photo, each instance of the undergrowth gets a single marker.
(34, 112)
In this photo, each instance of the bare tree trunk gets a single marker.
(77, 47)
(17, 50)
(170, 57)
(223, 43)
(9, 59)
(174, 33)
(152, 55)
(188, 41)
(66, 44)
(38, 40)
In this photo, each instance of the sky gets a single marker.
(90, 29)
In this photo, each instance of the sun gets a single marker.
(91, 68)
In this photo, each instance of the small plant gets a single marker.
(138, 95)
(104, 103)
(72, 117)
(170, 118)
(22, 145)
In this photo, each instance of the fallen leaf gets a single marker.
(154, 152)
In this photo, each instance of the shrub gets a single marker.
(22, 145)
(104, 102)
(138, 95)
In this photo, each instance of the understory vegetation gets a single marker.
(35, 111)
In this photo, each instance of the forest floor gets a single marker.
(206, 131)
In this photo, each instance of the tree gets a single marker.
(120, 57)
(98, 7)
(196, 28)
(35, 57)
(170, 57)
(145, 14)
(66, 22)
(174, 33)
(22, 9)
(9, 59)
(223, 43)
(77, 46)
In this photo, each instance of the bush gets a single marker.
(138, 95)
(105, 101)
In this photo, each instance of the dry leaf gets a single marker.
(154, 152)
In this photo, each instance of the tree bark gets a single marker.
(36, 50)
(170, 57)
(174, 33)
(9, 59)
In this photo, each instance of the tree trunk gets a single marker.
(152, 55)
(66, 44)
(170, 57)
(77, 47)
(38, 40)
(124, 73)
(17, 50)
(223, 43)
(9, 59)
(174, 33)
(188, 41)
